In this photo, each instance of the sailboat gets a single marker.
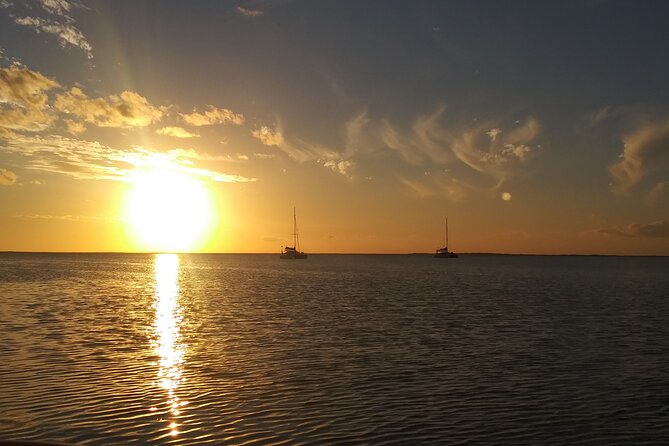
(293, 252)
(444, 253)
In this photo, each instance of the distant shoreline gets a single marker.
(469, 254)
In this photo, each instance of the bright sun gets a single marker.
(168, 210)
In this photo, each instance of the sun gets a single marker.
(168, 210)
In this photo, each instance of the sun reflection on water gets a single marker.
(167, 338)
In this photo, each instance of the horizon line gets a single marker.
(332, 253)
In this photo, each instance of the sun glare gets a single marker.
(168, 210)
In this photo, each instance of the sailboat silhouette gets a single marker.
(293, 252)
(444, 253)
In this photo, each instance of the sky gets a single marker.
(533, 127)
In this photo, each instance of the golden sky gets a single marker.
(133, 126)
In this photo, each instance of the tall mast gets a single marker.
(295, 230)
(446, 232)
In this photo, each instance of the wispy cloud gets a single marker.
(177, 132)
(90, 160)
(658, 191)
(437, 186)
(340, 167)
(268, 136)
(246, 12)
(66, 34)
(596, 117)
(642, 149)
(497, 156)
(488, 148)
(51, 17)
(211, 116)
(302, 151)
(67, 217)
(653, 230)
(186, 154)
(7, 177)
(128, 109)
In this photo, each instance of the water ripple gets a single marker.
(384, 350)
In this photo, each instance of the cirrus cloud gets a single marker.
(268, 136)
(302, 151)
(643, 149)
(91, 160)
(246, 12)
(654, 230)
(177, 132)
(66, 33)
(211, 116)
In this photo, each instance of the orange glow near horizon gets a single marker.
(168, 210)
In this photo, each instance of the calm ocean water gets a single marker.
(336, 349)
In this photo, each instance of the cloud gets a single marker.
(68, 217)
(659, 229)
(268, 136)
(356, 138)
(6, 133)
(25, 88)
(248, 12)
(74, 127)
(30, 119)
(212, 116)
(177, 132)
(596, 117)
(302, 151)
(128, 109)
(493, 133)
(486, 148)
(57, 7)
(23, 100)
(90, 160)
(642, 148)
(7, 177)
(524, 133)
(437, 186)
(340, 167)
(658, 191)
(185, 154)
(56, 20)
(66, 33)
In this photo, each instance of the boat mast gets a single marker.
(295, 238)
(447, 233)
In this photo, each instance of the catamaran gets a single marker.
(293, 252)
(444, 253)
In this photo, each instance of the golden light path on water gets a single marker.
(167, 341)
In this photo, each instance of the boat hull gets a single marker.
(446, 255)
(293, 256)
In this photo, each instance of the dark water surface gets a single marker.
(335, 349)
